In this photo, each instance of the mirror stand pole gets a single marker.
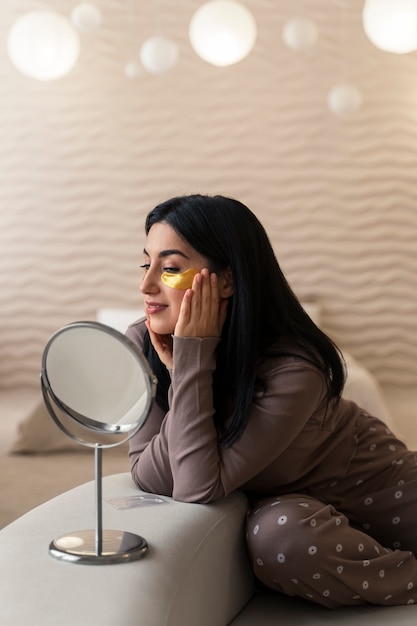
(98, 546)
(98, 462)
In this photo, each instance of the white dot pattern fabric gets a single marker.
(350, 542)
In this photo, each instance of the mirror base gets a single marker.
(114, 546)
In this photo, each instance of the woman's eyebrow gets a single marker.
(165, 253)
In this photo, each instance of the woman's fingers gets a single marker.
(206, 302)
(202, 305)
(185, 311)
(202, 312)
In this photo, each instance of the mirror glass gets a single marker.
(98, 384)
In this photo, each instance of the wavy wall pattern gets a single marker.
(84, 158)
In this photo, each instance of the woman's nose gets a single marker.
(148, 283)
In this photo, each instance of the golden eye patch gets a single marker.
(179, 281)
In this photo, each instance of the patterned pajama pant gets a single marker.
(351, 542)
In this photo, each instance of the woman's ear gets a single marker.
(225, 280)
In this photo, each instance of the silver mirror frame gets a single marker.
(96, 546)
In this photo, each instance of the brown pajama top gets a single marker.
(333, 493)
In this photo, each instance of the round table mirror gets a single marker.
(98, 388)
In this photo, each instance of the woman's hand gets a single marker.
(202, 314)
(203, 311)
(162, 345)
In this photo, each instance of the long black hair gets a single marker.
(262, 310)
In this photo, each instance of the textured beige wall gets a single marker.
(83, 159)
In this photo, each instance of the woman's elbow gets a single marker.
(135, 477)
(204, 496)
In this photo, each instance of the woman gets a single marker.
(249, 397)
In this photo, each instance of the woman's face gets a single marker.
(165, 251)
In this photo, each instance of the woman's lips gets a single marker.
(152, 308)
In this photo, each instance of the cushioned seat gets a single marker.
(196, 572)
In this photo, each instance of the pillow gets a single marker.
(39, 433)
(363, 388)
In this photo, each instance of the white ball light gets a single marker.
(344, 99)
(86, 17)
(222, 32)
(43, 45)
(159, 55)
(391, 25)
(300, 34)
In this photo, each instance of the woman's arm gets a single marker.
(178, 454)
(147, 441)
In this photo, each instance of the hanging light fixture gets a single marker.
(86, 17)
(222, 32)
(159, 54)
(344, 99)
(300, 34)
(391, 25)
(43, 45)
